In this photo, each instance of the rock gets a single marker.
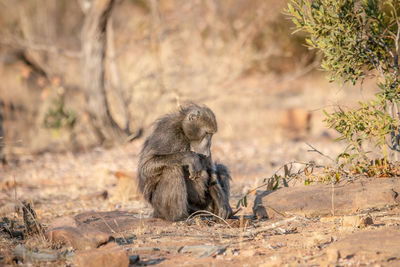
(366, 221)
(316, 200)
(67, 230)
(77, 238)
(63, 221)
(93, 229)
(351, 221)
(108, 255)
(260, 212)
(369, 244)
(28, 256)
(133, 259)
(116, 221)
(356, 221)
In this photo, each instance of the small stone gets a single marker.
(351, 221)
(108, 255)
(260, 212)
(133, 259)
(367, 221)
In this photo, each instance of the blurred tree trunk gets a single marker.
(2, 143)
(94, 40)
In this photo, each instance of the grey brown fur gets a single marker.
(176, 173)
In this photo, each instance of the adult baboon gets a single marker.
(176, 172)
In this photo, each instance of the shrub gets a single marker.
(357, 39)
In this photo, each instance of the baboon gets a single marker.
(176, 173)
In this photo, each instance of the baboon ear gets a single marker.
(193, 115)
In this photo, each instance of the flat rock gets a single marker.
(108, 255)
(77, 238)
(322, 200)
(379, 244)
(115, 221)
(92, 229)
(63, 222)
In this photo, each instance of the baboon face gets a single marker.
(199, 126)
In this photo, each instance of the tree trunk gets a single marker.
(94, 40)
(2, 143)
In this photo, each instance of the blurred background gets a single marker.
(147, 57)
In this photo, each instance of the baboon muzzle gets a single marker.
(201, 147)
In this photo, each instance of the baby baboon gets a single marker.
(176, 172)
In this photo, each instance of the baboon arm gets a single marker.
(153, 166)
(221, 203)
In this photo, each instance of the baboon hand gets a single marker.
(222, 207)
(192, 160)
(225, 211)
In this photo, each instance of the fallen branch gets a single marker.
(269, 227)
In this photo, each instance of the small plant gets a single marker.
(273, 182)
(358, 39)
(58, 116)
(368, 123)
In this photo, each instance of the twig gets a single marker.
(236, 211)
(202, 212)
(396, 56)
(277, 211)
(333, 199)
(313, 149)
(377, 64)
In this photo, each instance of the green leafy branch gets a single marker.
(357, 39)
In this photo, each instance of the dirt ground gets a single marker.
(257, 136)
(268, 101)
(102, 180)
